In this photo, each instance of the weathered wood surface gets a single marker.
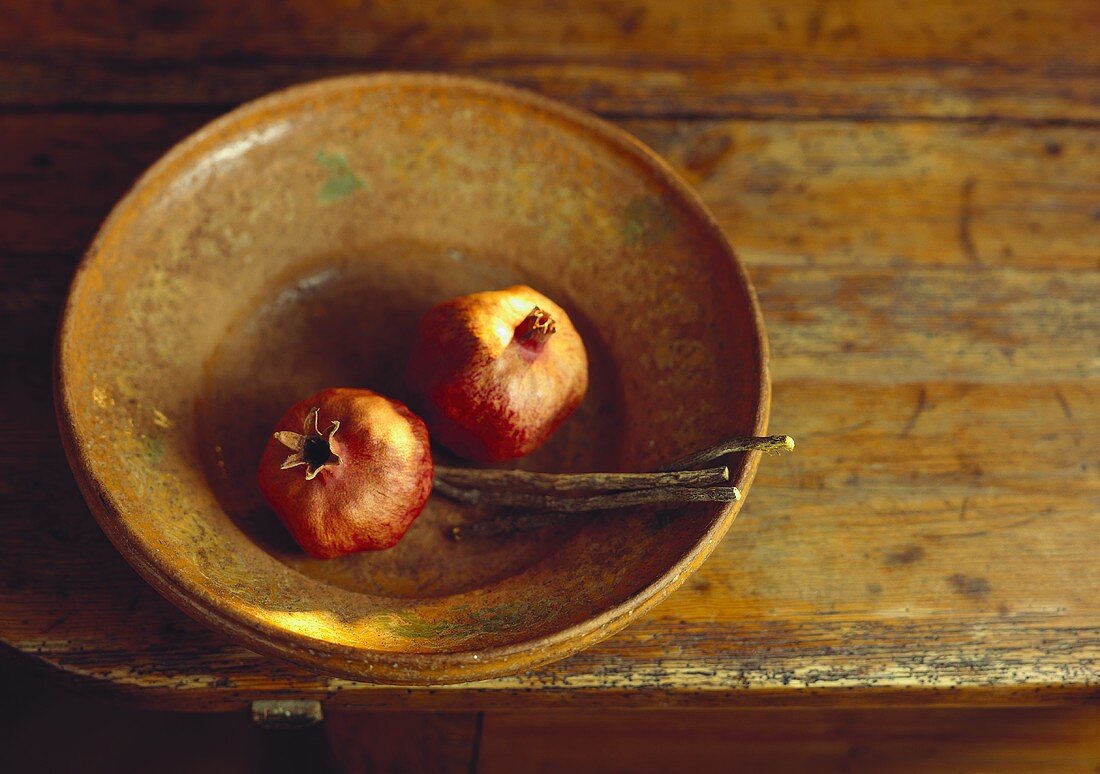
(862, 739)
(1023, 59)
(914, 189)
(933, 538)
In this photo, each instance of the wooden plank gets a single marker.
(895, 740)
(575, 740)
(971, 324)
(61, 173)
(789, 193)
(1025, 59)
(809, 193)
(428, 742)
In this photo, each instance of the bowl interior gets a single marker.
(292, 246)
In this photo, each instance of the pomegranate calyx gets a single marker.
(311, 447)
(535, 329)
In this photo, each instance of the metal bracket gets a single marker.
(286, 713)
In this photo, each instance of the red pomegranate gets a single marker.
(497, 372)
(355, 485)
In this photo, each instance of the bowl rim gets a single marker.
(363, 664)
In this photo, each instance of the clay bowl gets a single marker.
(291, 246)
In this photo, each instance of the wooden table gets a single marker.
(915, 188)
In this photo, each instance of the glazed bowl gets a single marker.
(291, 246)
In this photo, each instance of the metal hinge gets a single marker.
(286, 713)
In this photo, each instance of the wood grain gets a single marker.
(930, 292)
(864, 740)
(428, 742)
(119, 738)
(1022, 60)
(891, 195)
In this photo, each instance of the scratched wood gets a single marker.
(930, 290)
(120, 738)
(1023, 59)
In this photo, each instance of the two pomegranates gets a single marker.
(493, 374)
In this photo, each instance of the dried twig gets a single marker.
(676, 482)
(603, 502)
(481, 479)
(767, 443)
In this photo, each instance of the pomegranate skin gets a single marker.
(490, 383)
(369, 500)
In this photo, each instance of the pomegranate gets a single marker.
(497, 372)
(358, 484)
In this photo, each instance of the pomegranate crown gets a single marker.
(311, 447)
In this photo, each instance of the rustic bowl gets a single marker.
(291, 246)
